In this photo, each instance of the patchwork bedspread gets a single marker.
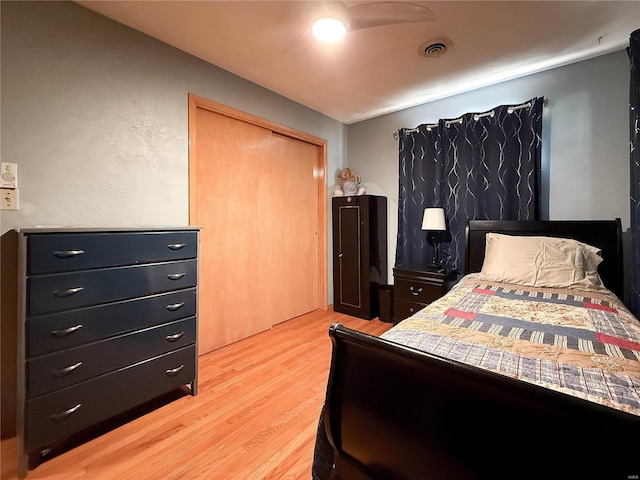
(584, 343)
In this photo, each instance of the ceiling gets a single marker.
(379, 70)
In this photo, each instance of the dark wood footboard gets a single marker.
(395, 413)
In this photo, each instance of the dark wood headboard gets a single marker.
(604, 234)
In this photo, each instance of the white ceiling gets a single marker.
(379, 70)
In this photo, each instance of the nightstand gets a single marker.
(416, 287)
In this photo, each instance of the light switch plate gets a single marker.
(9, 199)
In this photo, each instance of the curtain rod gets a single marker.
(477, 116)
(518, 107)
(448, 123)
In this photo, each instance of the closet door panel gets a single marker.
(257, 206)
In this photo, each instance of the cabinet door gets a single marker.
(348, 268)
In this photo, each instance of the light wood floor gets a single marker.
(255, 416)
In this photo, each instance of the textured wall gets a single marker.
(95, 115)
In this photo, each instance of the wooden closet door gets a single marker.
(256, 202)
(289, 230)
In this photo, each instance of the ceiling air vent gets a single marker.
(434, 48)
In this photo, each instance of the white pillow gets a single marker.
(541, 262)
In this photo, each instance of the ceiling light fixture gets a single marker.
(329, 29)
(333, 21)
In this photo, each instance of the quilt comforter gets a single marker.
(584, 343)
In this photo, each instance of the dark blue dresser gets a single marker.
(107, 321)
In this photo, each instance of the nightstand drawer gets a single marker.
(54, 293)
(74, 251)
(403, 309)
(416, 291)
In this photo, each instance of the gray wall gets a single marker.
(95, 115)
(585, 139)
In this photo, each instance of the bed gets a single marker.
(496, 379)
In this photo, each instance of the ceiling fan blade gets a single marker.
(367, 15)
(296, 42)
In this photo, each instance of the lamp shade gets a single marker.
(433, 219)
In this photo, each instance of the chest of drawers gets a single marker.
(107, 321)
(415, 288)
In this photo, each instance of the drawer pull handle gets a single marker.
(414, 293)
(175, 276)
(68, 253)
(172, 372)
(68, 292)
(65, 371)
(175, 337)
(66, 331)
(175, 306)
(58, 417)
(340, 255)
(176, 246)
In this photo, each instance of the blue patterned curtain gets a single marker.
(634, 121)
(480, 166)
(420, 186)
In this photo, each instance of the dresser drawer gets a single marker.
(53, 417)
(81, 251)
(53, 332)
(74, 365)
(416, 291)
(58, 292)
(403, 309)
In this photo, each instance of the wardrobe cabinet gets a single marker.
(359, 253)
(107, 320)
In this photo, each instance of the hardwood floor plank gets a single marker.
(255, 416)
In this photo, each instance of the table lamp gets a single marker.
(433, 221)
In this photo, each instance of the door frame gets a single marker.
(196, 102)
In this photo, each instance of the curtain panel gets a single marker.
(478, 166)
(420, 178)
(634, 133)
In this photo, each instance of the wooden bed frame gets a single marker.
(393, 412)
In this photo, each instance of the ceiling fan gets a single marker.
(335, 18)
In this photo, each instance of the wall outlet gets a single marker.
(9, 199)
